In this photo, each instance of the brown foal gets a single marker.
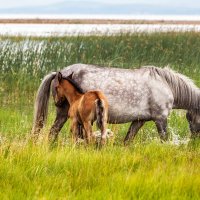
(85, 108)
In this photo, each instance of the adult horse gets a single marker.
(134, 95)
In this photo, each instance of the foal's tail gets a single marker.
(101, 113)
(41, 103)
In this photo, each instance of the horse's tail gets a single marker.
(186, 93)
(101, 113)
(41, 103)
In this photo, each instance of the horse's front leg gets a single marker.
(61, 118)
(161, 125)
(133, 129)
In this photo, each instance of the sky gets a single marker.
(179, 7)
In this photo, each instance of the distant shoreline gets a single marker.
(71, 25)
(94, 21)
(98, 19)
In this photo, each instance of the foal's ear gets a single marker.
(59, 77)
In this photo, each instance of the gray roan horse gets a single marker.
(134, 95)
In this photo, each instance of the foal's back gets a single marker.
(87, 104)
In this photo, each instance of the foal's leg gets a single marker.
(133, 129)
(103, 133)
(80, 131)
(88, 131)
(161, 125)
(75, 129)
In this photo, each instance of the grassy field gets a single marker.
(146, 169)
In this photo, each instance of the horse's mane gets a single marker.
(75, 84)
(186, 93)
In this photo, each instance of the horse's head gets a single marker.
(58, 90)
(193, 117)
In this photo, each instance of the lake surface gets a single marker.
(94, 29)
(88, 29)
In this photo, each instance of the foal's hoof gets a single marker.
(79, 141)
(110, 134)
(33, 138)
(103, 141)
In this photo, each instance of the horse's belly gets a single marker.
(127, 113)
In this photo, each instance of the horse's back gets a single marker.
(129, 92)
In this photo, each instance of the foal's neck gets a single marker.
(71, 93)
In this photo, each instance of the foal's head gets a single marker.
(59, 96)
(65, 86)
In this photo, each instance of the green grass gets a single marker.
(151, 171)
(146, 169)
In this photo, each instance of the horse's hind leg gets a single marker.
(161, 125)
(133, 129)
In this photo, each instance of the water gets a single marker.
(88, 29)
(94, 29)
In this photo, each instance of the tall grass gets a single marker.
(144, 170)
(152, 171)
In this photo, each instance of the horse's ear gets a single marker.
(59, 77)
(70, 76)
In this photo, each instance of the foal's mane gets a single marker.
(75, 84)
